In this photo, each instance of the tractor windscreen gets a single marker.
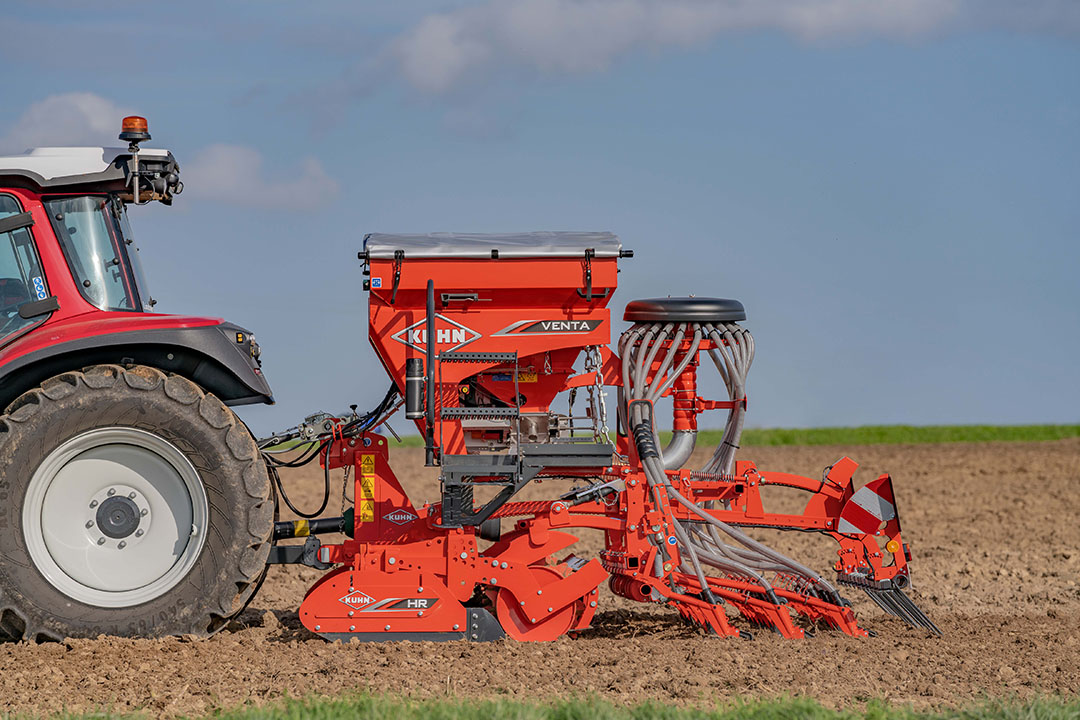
(102, 260)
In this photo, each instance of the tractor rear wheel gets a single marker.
(131, 503)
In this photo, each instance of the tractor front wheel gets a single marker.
(131, 503)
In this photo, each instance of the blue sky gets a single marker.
(890, 188)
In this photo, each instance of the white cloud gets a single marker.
(78, 118)
(444, 51)
(234, 174)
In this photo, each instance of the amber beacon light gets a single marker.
(134, 129)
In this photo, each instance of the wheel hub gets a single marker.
(117, 517)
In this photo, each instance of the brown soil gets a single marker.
(996, 543)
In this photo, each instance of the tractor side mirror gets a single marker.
(37, 308)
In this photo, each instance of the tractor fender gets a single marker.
(220, 357)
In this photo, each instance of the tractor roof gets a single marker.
(75, 168)
(481, 245)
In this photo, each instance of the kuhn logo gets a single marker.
(550, 327)
(357, 600)
(447, 332)
(400, 517)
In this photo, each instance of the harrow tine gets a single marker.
(920, 617)
(877, 601)
(895, 602)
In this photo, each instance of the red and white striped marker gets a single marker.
(872, 505)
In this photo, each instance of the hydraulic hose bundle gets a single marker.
(317, 435)
(704, 541)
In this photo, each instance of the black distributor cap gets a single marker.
(684, 309)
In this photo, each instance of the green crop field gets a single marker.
(370, 707)
(877, 435)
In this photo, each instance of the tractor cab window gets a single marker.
(90, 233)
(21, 279)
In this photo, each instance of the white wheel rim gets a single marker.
(115, 517)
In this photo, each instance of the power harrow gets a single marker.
(481, 335)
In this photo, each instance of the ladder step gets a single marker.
(478, 357)
(478, 412)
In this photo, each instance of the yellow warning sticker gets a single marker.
(527, 376)
(367, 488)
(366, 510)
(367, 464)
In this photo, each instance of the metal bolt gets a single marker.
(494, 581)
(318, 627)
(456, 626)
(386, 628)
(93, 503)
(420, 613)
(503, 566)
(351, 613)
(139, 533)
(143, 513)
(101, 541)
(351, 588)
(464, 556)
(131, 496)
(592, 604)
(551, 609)
(122, 545)
(89, 524)
(539, 592)
(533, 620)
(522, 603)
(391, 561)
(112, 491)
(633, 527)
(351, 628)
(352, 443)
(475, 636)
(419, 589)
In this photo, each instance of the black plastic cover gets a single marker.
(685, 309)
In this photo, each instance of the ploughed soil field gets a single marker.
(993, 529)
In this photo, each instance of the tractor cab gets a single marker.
(69, 262)
(84, 192)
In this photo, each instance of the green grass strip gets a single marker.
(875, 435)
(379, 707)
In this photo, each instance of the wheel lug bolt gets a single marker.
(122, 545)
(143, 513)
(89, 524)
(112, 491)
(93, 503)
(101, 541)
(138, 533)
(131, 496)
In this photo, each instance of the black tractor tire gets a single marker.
(231, 564)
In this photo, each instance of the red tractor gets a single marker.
(133, 501)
